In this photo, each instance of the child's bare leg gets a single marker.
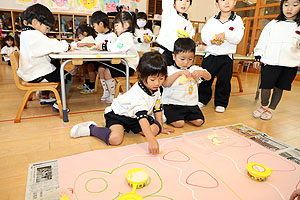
(155, 129)
(107, 74)
(197, 122)
(91, 72)
(101, 70)
(178, 124)
(117, 134)
(85, 71)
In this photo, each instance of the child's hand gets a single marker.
(76, 40)
(153, 146)
(71, 49)
(147, 39)
(295, 194)
(256, 65)
(197, 75)
(167, 130)
(186, 73)
(99, 47)
(80, 44)
(220, 36)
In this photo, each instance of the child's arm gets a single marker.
(295, 194)
(207, 33)
(167, 6)
(85, 44)
(153, 145)
(120, 45)
(172, 78)
(47, 46)
(158, 116)
(235, 34)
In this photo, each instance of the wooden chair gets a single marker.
(31, 87)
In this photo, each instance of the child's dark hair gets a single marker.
(281, 16)
(184, 45)
(142, 15)
(40, 13)
(190, 1)
(85, 28)
(128, 17)
(98, 17)
(9, 37)
(151, 63)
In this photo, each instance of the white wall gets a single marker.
(201, 9)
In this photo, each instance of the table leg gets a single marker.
(63, 90)
(127, 73)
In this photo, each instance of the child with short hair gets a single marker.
(174, 19)
(143, 33)
(180, 95)
(8, 48)
(133, 110)
(221, 34)
(100, 23)
(125, 23)
(35, 47)
(278, 50)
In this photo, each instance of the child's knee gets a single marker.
(115, 140)
(198, 122)
(178, 124)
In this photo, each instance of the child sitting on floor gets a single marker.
(180, 95)
(132, 110)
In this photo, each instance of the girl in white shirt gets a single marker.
(8, 48)
(278, 52)
(125, 23)
(133, 110)
(143, 34)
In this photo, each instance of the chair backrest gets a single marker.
(14, 59)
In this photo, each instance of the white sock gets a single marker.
(105, 90)
(111, 86)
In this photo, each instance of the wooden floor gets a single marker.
(42, 135)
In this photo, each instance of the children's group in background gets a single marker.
(8, 48)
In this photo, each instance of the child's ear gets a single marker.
(126, 25)
(101, 24)
(174, 56)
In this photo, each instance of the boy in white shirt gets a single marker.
(35, 64)
(221, 34)
(180, 94)
(174, 19)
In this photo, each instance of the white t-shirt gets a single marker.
(139, 39)
(35, 48)
(135, 100)
(185, 94)
(277, 44)
(103, 37)
(8, 50)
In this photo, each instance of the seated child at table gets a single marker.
(35, 64)
(100, 23)
(133, 110)
(143, 33)
(8, 48)
(125, 23)
(180, 95)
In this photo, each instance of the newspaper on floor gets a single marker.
(285, 150)
(42, 181)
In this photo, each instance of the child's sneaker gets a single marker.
(220, 109)
(50, 100)
(201, 105)
(82, 129)
(83, 86)
(87, 91)
(109, 99)
(267, 115)
(104, 96)
(55, 108)
(259, 111)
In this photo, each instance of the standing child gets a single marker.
(132, 110)
(35, 64)
(8, 48)
(143, 33)
(100, 23)
(125, 23)
(221, 34)
(279, 52)
(180, 96)
(174, 19)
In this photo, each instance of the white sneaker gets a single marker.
(201, 105)
(109, 99)
(82, 129)
(83, 86)
(259, 111)
(104, 96)
(50, 100)
(266, 115)
(220, 109)
(87, 91)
